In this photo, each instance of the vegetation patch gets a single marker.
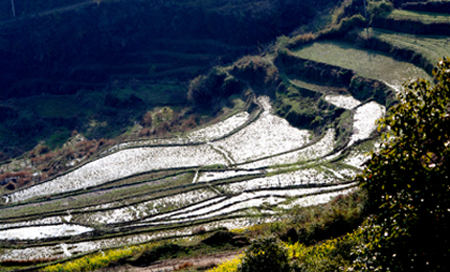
(368, 64)
(424, 51)
(413, 22)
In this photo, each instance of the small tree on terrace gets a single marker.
(408, 183)
(265, 254)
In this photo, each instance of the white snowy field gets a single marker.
(123, 164)
(207, 134)
(242, 201)
(187, 209)
(300, 177)
(141, 210)
(343, 101)
(67, 249)
(364, 121)
(44, 221)
(268, 135)
(40, 232)
(315, 151)
(209, 203)
(221, 206)
(220, 129)
(356, 159)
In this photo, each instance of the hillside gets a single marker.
(293, 125)
(122, 53)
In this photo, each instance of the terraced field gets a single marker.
(244, 170)
(250, 168)
(369, 64)
(414, 22)
(423, 50)
(426, 17)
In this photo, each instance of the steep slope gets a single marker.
(114, 51)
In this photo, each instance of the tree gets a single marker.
(408, 182)
(265, 254)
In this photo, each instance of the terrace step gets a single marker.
(330, 62)
(427, 6)
(423, 51)
(355, 61)
(413, 22)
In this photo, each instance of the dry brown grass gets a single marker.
(145, 132)
(147, 119)
(183, 266)
(18, 179)
(189, 123)
(301, 39)
(162, 129)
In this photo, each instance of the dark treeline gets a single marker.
(79, 48)
(73, 45)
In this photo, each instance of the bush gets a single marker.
(301, 39)
(343, 27)
(266, 254)
(228, 266)
(375, 8)
(329, 256)
(147, 119)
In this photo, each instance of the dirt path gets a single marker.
(207, 261)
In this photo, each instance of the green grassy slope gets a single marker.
(425, 17)
(366, 63)
(421, 50)
(413, 22)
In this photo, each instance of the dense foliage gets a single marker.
(265, 254)
(408, 182)
(102, 55)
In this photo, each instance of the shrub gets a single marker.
(375, 8)
(98, 260)
(201, 88)
(147, 119)
(301, 39)
(261, 74)
(69, 153)
(329, 256)
(42, 149)
(189, 123)
(266, 254)
(163, 128)
(229, 266)
(145, 132)
(343, 27)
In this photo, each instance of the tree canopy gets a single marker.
(407, 181)
(265, 254)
